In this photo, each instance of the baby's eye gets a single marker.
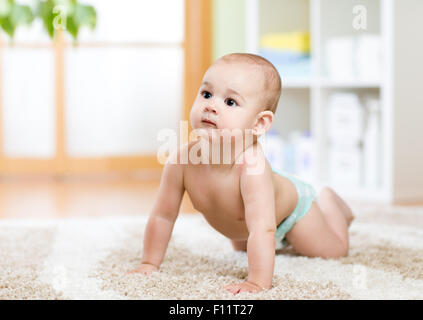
(231, 102)
(206, 94)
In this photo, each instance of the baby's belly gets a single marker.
(235, 229)
(224, 212)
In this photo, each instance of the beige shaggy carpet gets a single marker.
(88, 259)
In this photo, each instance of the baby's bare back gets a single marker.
(214, 191)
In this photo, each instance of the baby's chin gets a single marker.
(203, 127)
(207, 132)
(222, 134)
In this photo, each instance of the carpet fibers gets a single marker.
(88, 259)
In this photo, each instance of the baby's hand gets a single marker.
(246, 286)
(145, 268)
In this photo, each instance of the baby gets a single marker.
(257, 210)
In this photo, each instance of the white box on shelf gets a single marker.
(368, 57)
(345, 119)
(339, 58)
(354, 57)
(345, 166)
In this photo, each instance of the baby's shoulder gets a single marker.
(178, 155)
(253, 160)
(251, 154)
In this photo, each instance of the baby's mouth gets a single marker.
(209, 122)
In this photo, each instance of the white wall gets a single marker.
(408, 101)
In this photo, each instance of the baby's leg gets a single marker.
(323, 231)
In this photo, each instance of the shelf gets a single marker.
(328, 83)
(338, 83)
(296, 83)
(304, 103)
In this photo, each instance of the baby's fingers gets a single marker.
(144, 269)
(138, 272)
(243, 287)
(233, 288)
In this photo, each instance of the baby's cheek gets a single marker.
(194, 118)
(233, 124)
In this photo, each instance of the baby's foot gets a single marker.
(345, 209)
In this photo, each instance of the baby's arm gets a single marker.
(259, 202)
(164, 213)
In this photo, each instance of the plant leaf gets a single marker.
(72, 27)
(85, 15)
(21, 15)
(7, 26)
(5, 7)
(45, 12)
(77, 15)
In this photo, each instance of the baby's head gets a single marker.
(239, 91)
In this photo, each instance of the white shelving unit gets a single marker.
(304, 102)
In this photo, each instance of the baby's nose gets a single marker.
(210, 108)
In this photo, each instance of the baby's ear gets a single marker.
(263, 122)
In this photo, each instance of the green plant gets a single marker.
(13, 15)
(67, 15)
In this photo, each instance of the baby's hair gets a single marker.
(273, 82)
